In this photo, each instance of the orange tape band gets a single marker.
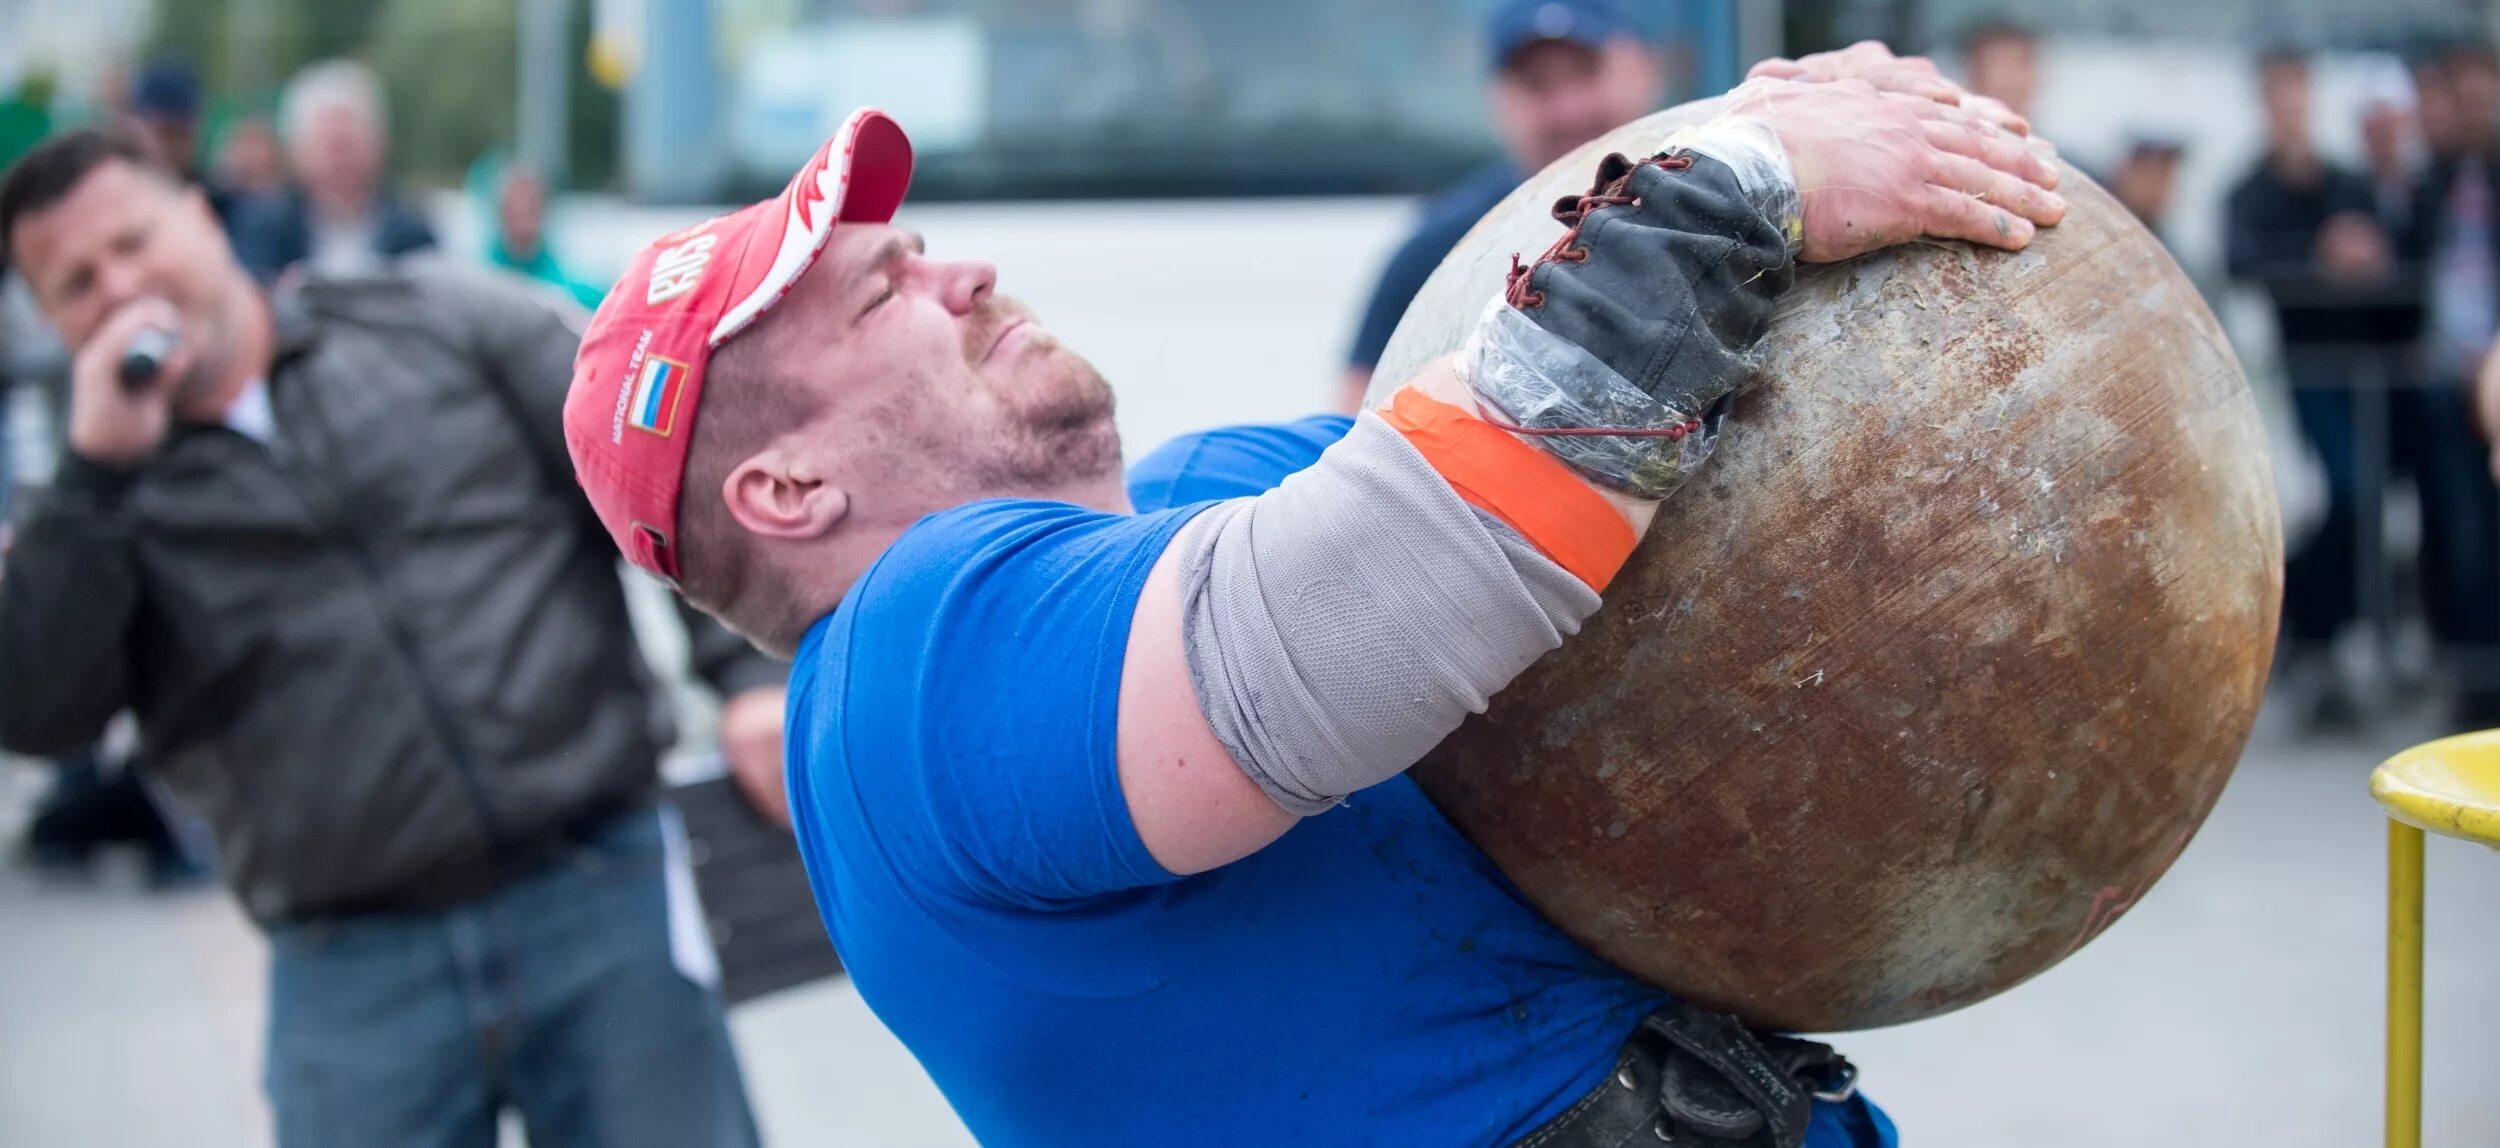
(1528, 489)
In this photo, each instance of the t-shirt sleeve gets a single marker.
(1230, 462)
(981, 715)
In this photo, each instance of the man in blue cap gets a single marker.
(165, 110)
(1564, 72)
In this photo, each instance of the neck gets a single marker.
(1106, 493)
(830, 571)
(255, 342)
(340, 205)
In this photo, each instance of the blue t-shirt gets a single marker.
(1369, 978)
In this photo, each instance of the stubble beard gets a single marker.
(1057, 429)
(1061, 433)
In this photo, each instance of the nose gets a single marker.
(1582, 103)
(118, 281)
(962, 285)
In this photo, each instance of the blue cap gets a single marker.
(1519, 23)
(167, 90)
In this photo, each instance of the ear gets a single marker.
(781, 494)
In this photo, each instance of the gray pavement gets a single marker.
(2239, 1004)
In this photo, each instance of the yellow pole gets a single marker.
(2404, 986)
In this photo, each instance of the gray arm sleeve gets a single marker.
(1340, 625)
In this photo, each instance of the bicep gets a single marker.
(1194, 808)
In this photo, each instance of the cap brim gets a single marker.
(859, 176)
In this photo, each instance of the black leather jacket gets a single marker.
(386, 656)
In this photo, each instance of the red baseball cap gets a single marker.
(638, 378)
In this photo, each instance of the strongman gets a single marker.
(1098, 783)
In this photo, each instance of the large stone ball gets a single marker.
(1938, 664)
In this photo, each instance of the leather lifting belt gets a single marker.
(1691, 1076)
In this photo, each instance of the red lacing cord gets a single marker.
(1517, 289)
(1567, 249)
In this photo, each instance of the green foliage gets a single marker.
(298, 32)
(449, 66)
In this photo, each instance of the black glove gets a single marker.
(1667, 277)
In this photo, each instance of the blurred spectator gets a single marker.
(97, 797)
(249, 163)
(339, 219)
(2301, 229)
(2487, 407)
(2456, 207)
(2002, 59)
(2459, 238)
(2388, 142)
(96, 801)
(25, 116)
(11, 369)
(334, 560)
(1564, 72)
(25, 119)
(2434, 103)
(518, 237)
(2148, 179)
(165, 109)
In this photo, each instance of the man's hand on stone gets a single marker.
(1878, 168)
(1874, 64)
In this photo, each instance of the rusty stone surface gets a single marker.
(1937, 666)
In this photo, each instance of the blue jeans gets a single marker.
(556, 996)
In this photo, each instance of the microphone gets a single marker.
(145, 357)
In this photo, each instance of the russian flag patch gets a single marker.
(653, 406)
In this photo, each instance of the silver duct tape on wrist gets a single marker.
(1535, 377)
(1342, 624)
(1751, 149)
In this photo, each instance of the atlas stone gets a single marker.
(1939, 663)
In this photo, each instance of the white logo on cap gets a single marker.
(679, 268)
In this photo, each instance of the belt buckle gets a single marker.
(1835, 1081)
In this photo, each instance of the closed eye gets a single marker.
(879, 301)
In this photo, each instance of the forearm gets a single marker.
(66, 601)
(1339, 626)
(1342, 625)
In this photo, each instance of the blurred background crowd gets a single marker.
(1228, 205)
